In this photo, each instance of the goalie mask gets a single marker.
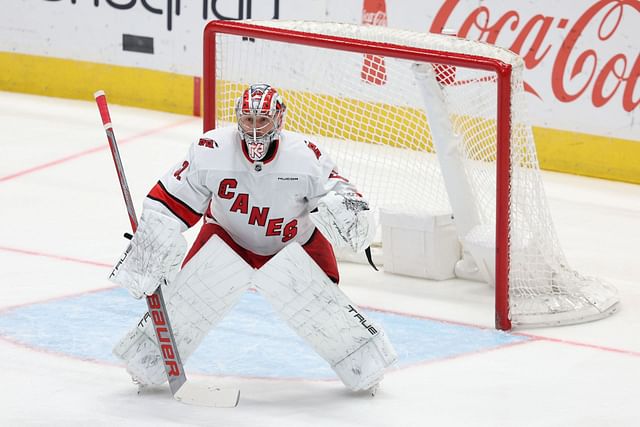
(260, 113)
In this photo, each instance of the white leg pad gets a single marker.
(139, 350)
(320, 313)
(364, 368)
(208, 286)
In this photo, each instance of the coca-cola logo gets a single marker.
(574, 73)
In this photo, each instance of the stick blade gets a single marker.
(202, 394)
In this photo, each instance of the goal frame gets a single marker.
(502, 70)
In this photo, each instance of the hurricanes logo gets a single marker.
(208, 142)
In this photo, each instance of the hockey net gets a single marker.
(374, 98)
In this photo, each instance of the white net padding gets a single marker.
(378, 133)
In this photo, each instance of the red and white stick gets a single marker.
(187, 393)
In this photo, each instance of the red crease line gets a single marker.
(52, 256)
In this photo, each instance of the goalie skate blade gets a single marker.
(207, 395)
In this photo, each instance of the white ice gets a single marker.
(61, 218)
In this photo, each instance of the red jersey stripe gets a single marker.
(177, 207)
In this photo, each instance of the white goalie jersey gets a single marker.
(262, 205)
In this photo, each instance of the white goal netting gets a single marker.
(367, 111)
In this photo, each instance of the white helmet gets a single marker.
(260, 113)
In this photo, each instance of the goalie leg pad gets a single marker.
(208, 286)
(364, 368)
(139, 350)
(320, 313)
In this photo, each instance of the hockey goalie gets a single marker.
(273, 204)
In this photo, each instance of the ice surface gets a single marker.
(61, 222)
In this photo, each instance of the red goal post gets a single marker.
(329, 37)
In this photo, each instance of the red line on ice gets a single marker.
(91, 151)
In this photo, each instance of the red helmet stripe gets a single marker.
(266, 100)
(245, 102)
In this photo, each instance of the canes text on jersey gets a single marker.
(257, 215)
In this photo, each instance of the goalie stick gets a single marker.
(183, 391)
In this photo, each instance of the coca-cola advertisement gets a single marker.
(585, 58)
(581, 57)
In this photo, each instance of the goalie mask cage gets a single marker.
(420, 123)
